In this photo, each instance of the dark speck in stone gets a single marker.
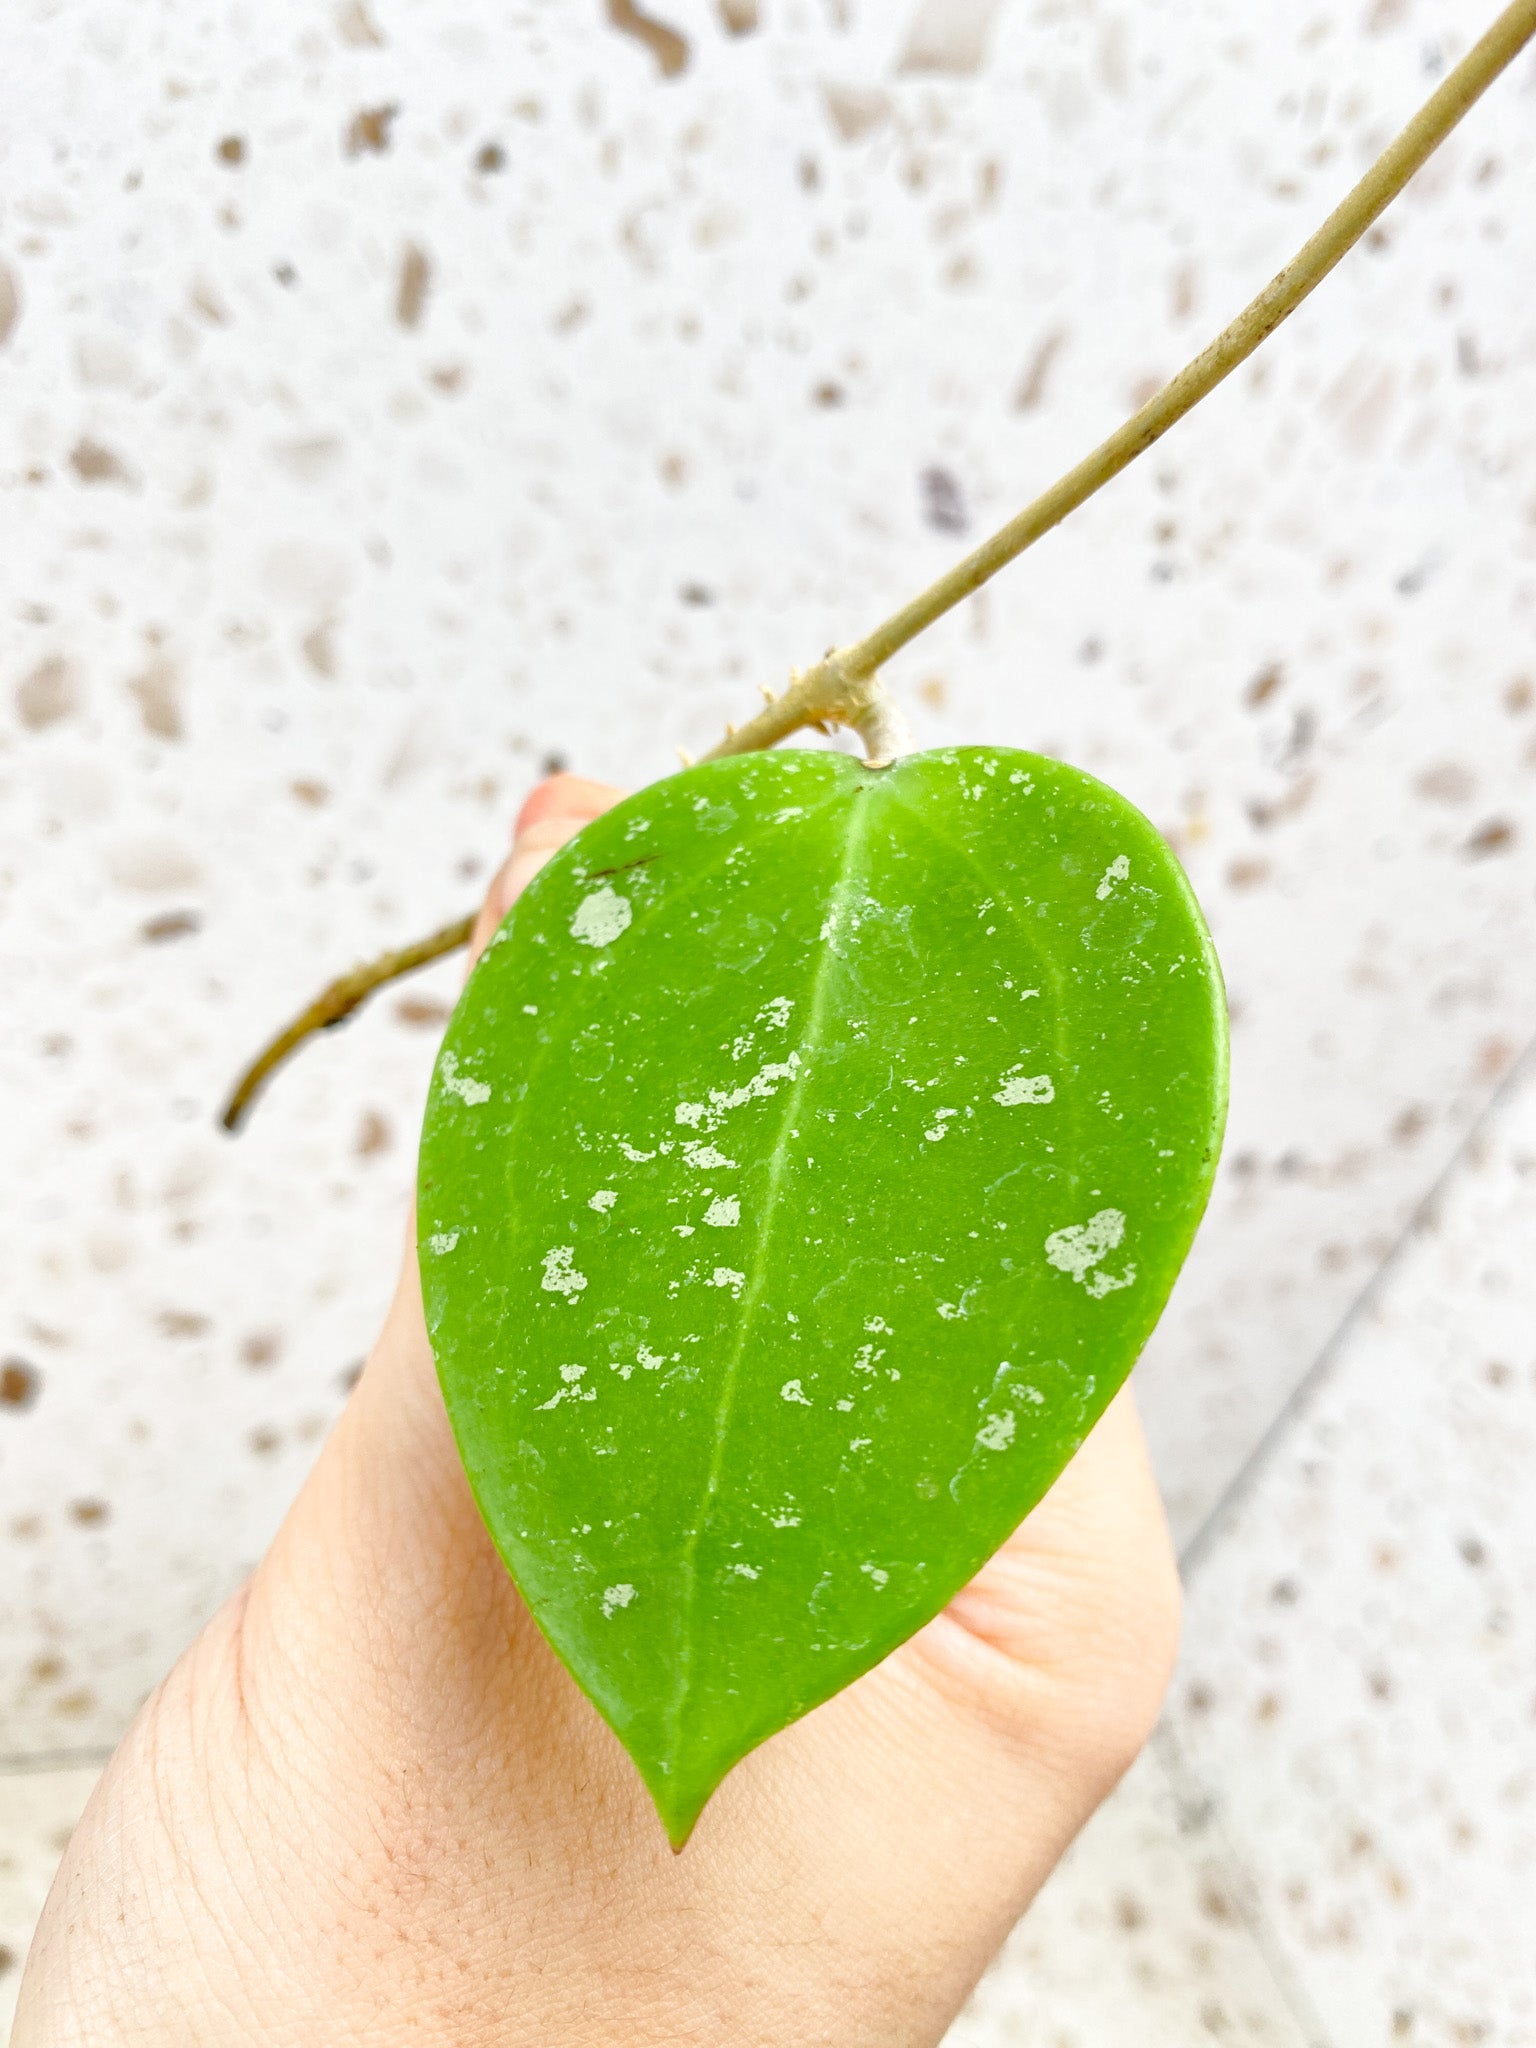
(20, 1384)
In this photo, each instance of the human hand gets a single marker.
(369, 1805)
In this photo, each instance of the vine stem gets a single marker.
(844, 688)
(335, 1004)
(837, 687)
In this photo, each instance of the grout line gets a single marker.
(1189, 1793)
(1243, 1481)
(37, 1763)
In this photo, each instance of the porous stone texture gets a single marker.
(1358, 1690)
(398, 396)
(1144, 1934)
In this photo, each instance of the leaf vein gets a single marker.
(837, 896)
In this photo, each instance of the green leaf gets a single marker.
(807, 1161)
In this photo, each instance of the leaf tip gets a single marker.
(679, 1795)
(677, 1811)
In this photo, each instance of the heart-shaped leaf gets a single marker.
(807, 1161)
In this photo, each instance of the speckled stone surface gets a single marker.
(1358, 1691)
(1141, 1936)
(395, 396)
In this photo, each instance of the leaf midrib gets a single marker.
(853, 845)
(1033, 945)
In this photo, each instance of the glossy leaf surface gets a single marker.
(807, 1161)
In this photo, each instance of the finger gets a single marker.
(565, 796)
(553, 813)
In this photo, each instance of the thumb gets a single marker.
(554, 813)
